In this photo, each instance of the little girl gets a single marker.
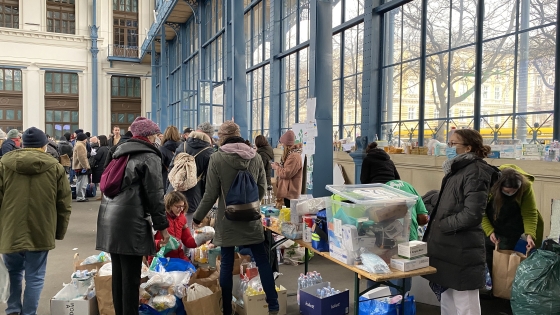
(176, 206)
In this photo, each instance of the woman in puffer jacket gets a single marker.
(289, 171)
(454, 234)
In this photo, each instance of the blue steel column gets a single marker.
(94, 77)
(556, 120)
(321, 87)
(372, 97)
(154, 74)
(237, 97)
(201, 56)
(275, 72)
(164, 72)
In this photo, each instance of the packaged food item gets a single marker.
(163, 302)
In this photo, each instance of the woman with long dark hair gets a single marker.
(511, 212)
(171, 141)
(454, 235)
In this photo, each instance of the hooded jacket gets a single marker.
(267, 155)
(454, 234)
(222, 170)
(204, 150)
(8, 146)
(377, 168)
(100, 157)
(123, 222)
(178, 229)
(64, 147)
(35, 201)
(52, 149)
(167, 153)
(290, 176)
(530, 216)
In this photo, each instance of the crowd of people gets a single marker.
(477, 208)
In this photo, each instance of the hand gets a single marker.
(274, 165)
(494, 239)
(530, 243)
(196, 226)
(165, 239)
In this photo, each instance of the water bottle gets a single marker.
(299, 285)
(319, 278)
(305, 281)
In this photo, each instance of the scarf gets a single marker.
(142, 138)
(463, 156)
(233, 139)
(296, 149)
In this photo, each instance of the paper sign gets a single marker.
(311, 106)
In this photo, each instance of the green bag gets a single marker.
(536, 287)
(173, 244)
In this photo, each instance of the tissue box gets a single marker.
(413, 249)
(311, 304)
(409, 264)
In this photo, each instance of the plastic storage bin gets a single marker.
(376, 217)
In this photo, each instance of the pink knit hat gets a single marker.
(289, 138)
(144, 127)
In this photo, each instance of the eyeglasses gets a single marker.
(179, 207)
(451, 144)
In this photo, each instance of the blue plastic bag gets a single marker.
(173, 264)
(375, 307)
(179, 309)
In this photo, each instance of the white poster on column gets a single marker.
(311, 107)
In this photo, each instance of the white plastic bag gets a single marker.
(197, 291)
(4, 282)
(203, 235)
(106, 270)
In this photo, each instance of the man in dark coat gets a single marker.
(10, 143)
(377, 167)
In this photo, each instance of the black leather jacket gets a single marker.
(123, 223)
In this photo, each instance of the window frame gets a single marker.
(14, 23)
(71, 86)
(61, 7)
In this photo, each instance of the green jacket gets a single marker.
(419, 208)
(222, 170)
(532, 220)
(35, 201)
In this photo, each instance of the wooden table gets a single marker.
(380, 279)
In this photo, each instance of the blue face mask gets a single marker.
(451, 152)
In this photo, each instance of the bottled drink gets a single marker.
(319, 278)
(299, 285)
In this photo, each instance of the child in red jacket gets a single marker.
(176, 206)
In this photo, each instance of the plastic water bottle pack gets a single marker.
(305, 281)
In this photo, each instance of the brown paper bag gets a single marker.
(504, 267)
(104, 293)
(205, 277)
(209, 305)
(78, 261)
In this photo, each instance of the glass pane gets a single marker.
(66, 116)
(75, 116)
(49, 116)
(10, 114)
(113, 118)
(8, 79)
(130, 118)
(19, 114)
(121, 118)
(1, 80)
(57, 115)
(463, 23)
(137, 87)
(130, 86)
(49, 129)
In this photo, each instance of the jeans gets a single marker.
(71, 175)
(398, 282)
(265, 272)
(81, 186)
(127, 270)
(32, 266)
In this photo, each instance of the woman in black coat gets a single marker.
(124, 222)
(454, 235)
(377, 167)
(265, 151)
(99, 158)
(171, 141)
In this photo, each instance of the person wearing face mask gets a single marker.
(456, 244)
(511, 212)
(123, 225)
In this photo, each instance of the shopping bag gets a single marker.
(205, 277)
(376, 307)
(4, 282)
(536, 287)
(208, 305)
(504, 268)
(104, 293)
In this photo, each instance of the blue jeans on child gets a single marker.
(32, 266)
(265, 273)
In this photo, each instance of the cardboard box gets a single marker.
(63, 306)
(377, 293)
(409, 264)
(256, 305)
(413, 249)
(311, 304)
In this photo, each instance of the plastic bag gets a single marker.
(172, 264)
(159, 284)
(310, 206)
(373, 263)
(106, 270)
(488, 282)
(173, 244)
(101, 257)
(376, 307)
(203, 235)
(163, 302)
(197, 291)
(4, 282)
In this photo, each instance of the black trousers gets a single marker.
(127, 270)
(287, 202)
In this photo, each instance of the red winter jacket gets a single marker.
(178, 229)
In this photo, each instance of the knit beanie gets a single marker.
(78, 131)
(207, 128)
(67, 136)
(14, 133)
(81, 137)
(34, 138)
(227, 130)
(289, 138)
(2, 135)
(143, 127)
(200, 135)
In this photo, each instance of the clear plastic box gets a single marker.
(379, 213)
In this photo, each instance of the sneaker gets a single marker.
(83, 200)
